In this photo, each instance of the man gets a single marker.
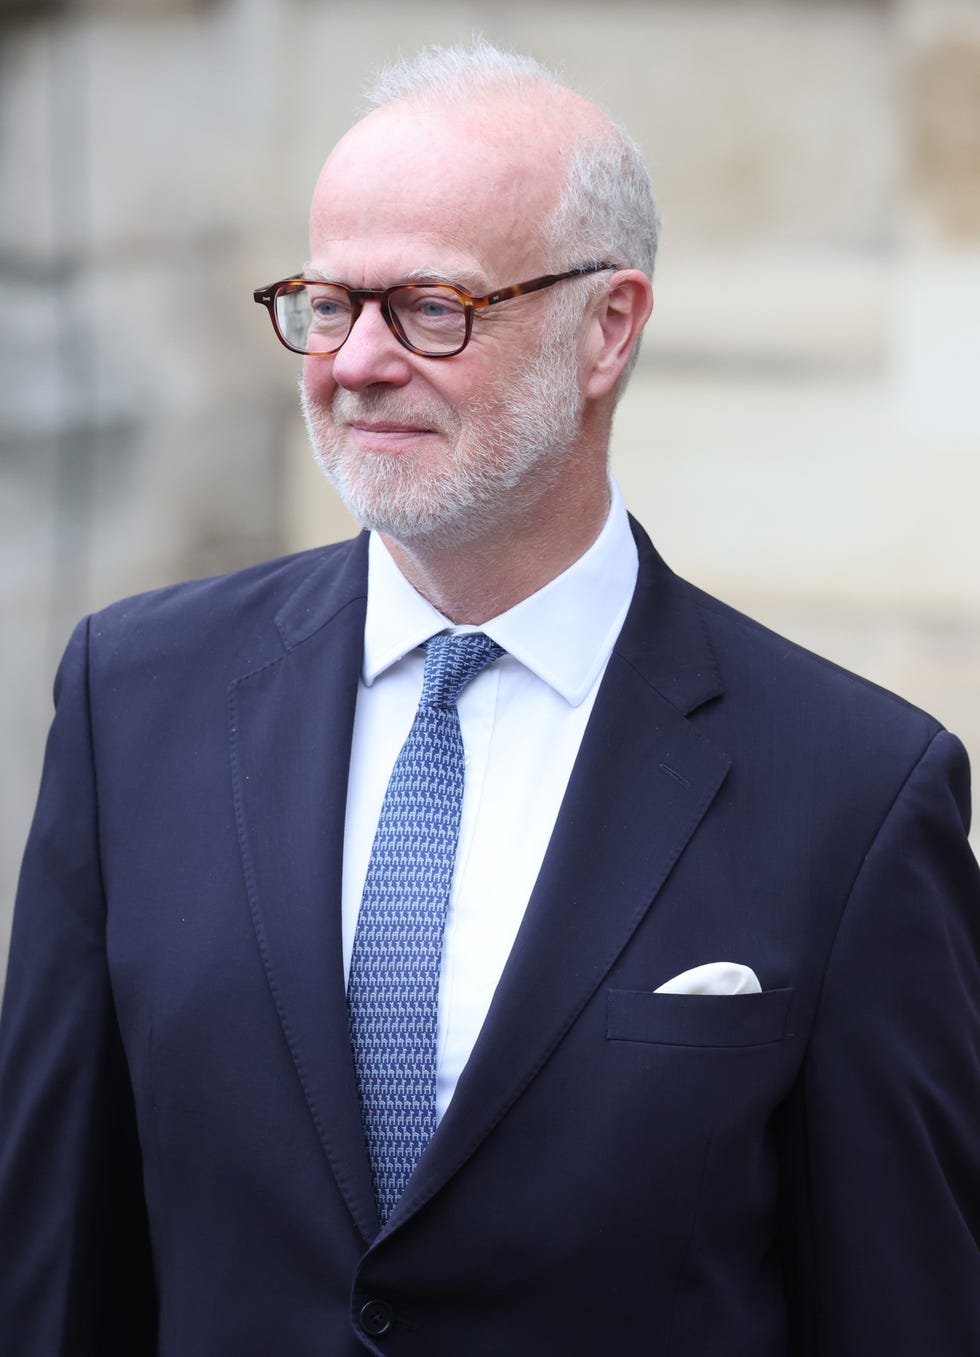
(664, 1039)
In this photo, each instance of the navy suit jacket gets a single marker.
(182, 1167)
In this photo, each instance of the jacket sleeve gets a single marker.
(886, 1207)
(75, 1274)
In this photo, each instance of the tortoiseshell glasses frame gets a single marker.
(396, 308)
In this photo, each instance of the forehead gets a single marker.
(453, 192)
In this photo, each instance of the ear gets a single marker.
(620, 314)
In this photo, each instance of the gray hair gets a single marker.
(607, 208)
(453, 75)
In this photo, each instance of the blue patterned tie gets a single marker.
(393, 993)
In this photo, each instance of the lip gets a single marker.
(386, 435)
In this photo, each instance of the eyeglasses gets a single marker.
(434, 320)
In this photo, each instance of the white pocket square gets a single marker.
(715, 977)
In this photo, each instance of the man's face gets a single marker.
(444, 449)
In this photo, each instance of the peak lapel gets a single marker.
(641, 784)
(290, 728)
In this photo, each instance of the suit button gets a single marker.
(377, 1317)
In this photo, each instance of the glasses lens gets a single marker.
(313, 317)
(432, 318)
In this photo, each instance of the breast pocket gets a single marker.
(698, 1019)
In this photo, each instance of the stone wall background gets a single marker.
(803, 430)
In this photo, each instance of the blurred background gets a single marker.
(803, 429)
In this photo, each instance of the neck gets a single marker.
(470, 582)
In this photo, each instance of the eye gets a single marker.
(434, 308)
(431, 306)
(329, 305)
(433, 319)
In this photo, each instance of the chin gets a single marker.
(392, 496)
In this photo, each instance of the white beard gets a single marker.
(498, 444)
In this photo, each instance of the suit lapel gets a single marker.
(290, 726)
(641, 784)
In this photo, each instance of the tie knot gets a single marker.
(450, 663)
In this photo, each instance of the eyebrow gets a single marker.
(469, 282)
(314, 274)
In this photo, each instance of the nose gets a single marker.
(371, 355)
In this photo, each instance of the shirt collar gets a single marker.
(564, 633)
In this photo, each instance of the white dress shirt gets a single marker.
(522, 722)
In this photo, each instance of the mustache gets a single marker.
(348, 407)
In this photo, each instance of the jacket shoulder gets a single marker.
(806, 696)
(246, 617)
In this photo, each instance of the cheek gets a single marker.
(318, 382)
(473, 379)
